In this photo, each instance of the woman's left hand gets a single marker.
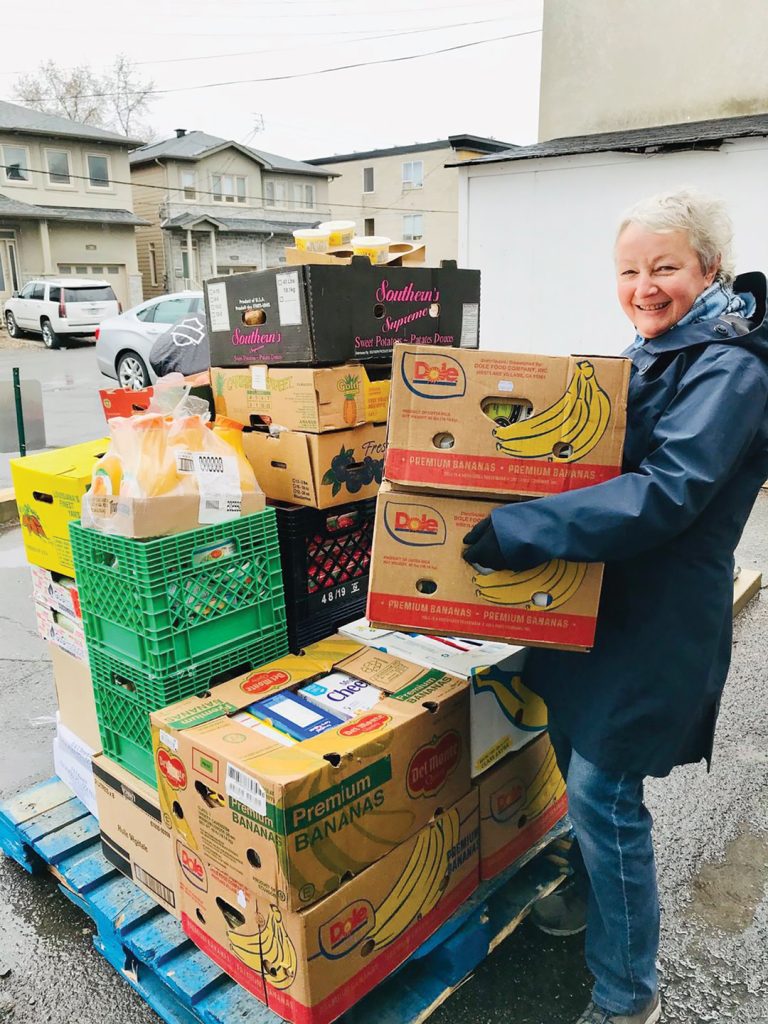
(483, 547)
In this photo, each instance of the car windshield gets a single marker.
(93, 293)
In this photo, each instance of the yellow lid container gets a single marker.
(341, 231)
(375, 247)
(312, 239)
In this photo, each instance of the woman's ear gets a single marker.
(711, 274)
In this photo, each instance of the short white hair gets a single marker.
(704, 219)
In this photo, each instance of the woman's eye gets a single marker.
(628, 273)
(665, 270)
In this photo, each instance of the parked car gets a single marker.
(123, 343)
(57, 308)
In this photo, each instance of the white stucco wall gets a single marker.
(542, 232)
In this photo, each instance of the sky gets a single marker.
(489, 89)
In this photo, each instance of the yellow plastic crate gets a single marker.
(48, 489)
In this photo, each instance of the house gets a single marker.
(540, 223)
(218, 207)
(65, 202)
(405, 192)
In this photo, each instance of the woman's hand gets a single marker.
(483, 550)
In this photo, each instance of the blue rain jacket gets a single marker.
(646, 697)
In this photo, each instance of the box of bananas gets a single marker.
(420, 582)
(504, 425)
(312, 966)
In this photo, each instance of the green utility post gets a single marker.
(19, 411)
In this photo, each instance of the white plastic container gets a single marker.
(375, 247)
(341, 231)
(312, 239)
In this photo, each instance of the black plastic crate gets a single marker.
(326, 557)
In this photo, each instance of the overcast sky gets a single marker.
(488, 89)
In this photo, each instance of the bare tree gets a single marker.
(118, 99)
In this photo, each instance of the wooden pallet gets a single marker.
(46, 829)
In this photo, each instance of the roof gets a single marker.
(196, 145)
(244, 225)
(79, 214)
(24, 121)
(656, 139)
(454, 142)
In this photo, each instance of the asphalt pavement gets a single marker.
(711, 831)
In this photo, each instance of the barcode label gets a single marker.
(247, 790)
(185, 462)
(169, 741)
(162, 892)
(259, 378)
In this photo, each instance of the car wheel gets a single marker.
(50, 338)
(12, 327)
(132, 371)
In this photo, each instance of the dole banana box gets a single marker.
(48, 489)
(504, 714)
(313, 965)
(300, 398)
(420, 582)
(504, 424)
(318, 470)
(521, 799)
(291, 822)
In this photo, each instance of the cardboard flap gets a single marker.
(385, 671)
(278, 459)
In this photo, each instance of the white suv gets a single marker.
(58, 307)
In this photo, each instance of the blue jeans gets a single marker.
(613, 864)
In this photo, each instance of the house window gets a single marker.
(228, 188)
(98, 171)
(16, 163)
(413, 174)
(304, 196)
(413, 227)
(370, 227)
(152, 264)
(367, 179)
(57, 162)
(189, 185)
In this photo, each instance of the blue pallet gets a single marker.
(46, 829)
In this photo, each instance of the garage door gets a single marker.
(112, 272)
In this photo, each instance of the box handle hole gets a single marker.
(426, 586)
(434, 310)
(46, 499)
(443, 440)
(561, 450)
(231, 915)
(199, 915)
(506, 411)
(333, 759)
(431, 706)
(177, 811)
(210, 797)
(254, 317)
(253, 858)
(378, 311)
(278, 465)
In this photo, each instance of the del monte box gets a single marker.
(290, 790)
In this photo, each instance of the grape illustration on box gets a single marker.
(345, 472)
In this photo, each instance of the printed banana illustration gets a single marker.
(545, 586)
(577, 421)
(421, 884)
(519, 704)
(269, 951)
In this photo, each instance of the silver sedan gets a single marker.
(123, 342)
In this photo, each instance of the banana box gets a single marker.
(420, 582)
(310, 967)
(291, 822)
(301, 398)
(504, 424)
(48, 489)
(521, 799)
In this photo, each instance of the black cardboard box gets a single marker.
(315, 315)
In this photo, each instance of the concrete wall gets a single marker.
(386, 205)
(614, 64)
(542, 234)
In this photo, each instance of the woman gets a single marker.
(646, 697)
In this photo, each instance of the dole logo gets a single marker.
(432, 764)
(347, 929)
(415, 525)
(431, 376)
(192, 867)
(507, 803)
(260, 682)
(172, 769)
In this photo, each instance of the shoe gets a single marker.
(562, 913)
(594, 1015)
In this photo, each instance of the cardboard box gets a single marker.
(63, 630)
(315, 315)
(56, 591)
(48, 489)
(504, 715)
(72, 764)
(450, 430)
(521, 799)
(160, 516)
(319, 470)
(291, 822)
(310, 967)
(127, 402)
(74, 693)
(420, 582)
(135, 836)
(301, 398)
(401, 254)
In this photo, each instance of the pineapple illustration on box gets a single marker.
(349, 385)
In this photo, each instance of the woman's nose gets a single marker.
(645, 286)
